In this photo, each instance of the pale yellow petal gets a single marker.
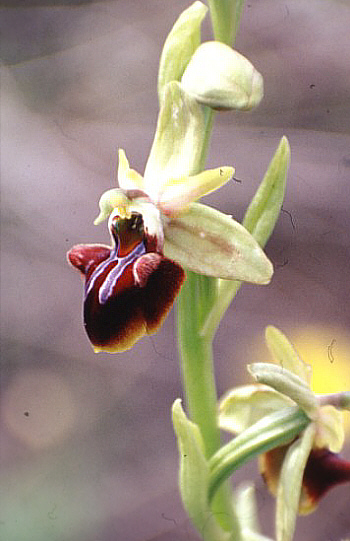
(128, 179)
(176, 194)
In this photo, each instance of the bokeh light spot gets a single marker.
(38, 408)
(327, 350)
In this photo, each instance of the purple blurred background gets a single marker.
(87, 448)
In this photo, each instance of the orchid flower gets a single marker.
(302, 470)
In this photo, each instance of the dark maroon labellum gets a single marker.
(324, 470)
(129, 288)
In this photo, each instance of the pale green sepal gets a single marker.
(284, 353)
(180, 45)
(243, 406)
(110, 200)
(330, 429)
(178, 193)
(246, 508)
(287, 383)
(222, 78)
(209, 242)
(263, 211)
(194, 476)
(180, 133)
(290, 483)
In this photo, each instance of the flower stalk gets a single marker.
(196, 353)
(225, 16)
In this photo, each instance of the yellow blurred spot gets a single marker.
(327, 350)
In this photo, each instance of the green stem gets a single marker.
(197, 361)
(196, 297)
(225, 16)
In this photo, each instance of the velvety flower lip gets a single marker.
(323, 471)
(129, 287)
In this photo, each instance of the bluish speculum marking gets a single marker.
(126, 232)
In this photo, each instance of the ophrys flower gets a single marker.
(303, 469)
(157, 229)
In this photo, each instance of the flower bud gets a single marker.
(221, 78)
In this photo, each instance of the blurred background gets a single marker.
(87, 448)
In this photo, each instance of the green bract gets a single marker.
(180, 45)
(263, 211)
(290, 484)
(225, 16)
(194, 476)
(222, 78)
(277, 428)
